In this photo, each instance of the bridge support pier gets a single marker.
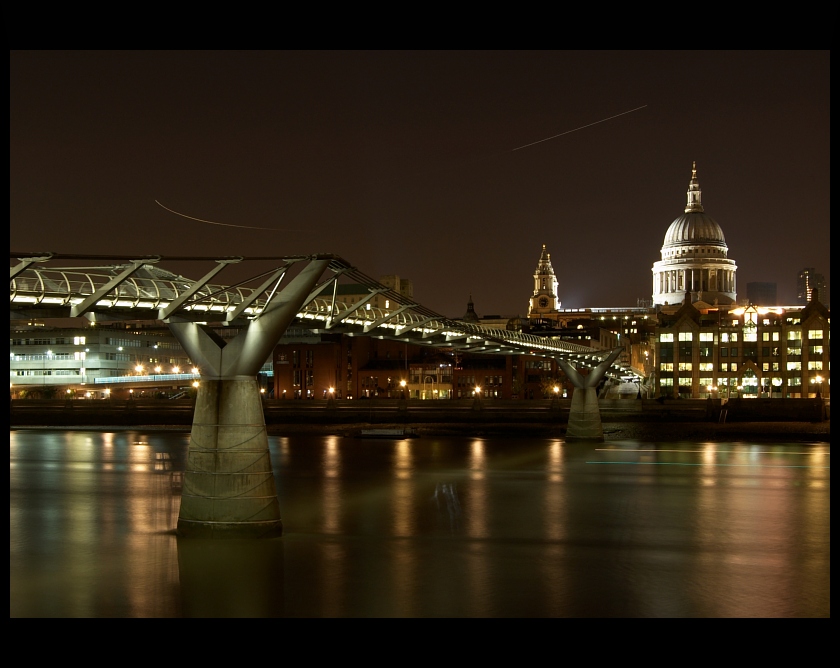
(585, 413)
(229, 489)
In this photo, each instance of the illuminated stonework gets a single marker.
(544, 301)
(694, 258)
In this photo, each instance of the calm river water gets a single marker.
(427, 527)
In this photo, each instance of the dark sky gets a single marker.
(404, 162)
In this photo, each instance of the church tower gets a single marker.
(544, 300)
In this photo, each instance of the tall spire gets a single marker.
(693, 201)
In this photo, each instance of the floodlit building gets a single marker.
(544, 301)
(694, 257)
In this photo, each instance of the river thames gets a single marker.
(428, 527)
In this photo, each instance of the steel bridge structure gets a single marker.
(138, 289)
(229, 488)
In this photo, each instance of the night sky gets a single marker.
(405, 162)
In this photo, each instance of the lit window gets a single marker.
(666, 338)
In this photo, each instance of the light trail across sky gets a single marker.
(603, 120)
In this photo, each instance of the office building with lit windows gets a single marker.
(753, 351)
(809, 282)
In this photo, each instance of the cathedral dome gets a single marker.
(694, 227)
(694, 257)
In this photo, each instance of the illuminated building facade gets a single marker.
(734, 351)
(95, 362)
(43, 358)
(544, 301)
(694, 257)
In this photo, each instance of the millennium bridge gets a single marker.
(229, 484)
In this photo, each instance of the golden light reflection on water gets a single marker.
(555, 462)
(554, 501)
(478, 460)
(721, 530)
(476, 520)
(332, 457)
(708, 456)
(332, 495)
(402, 460)
(403, 518)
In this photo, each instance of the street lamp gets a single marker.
(819, 381)
(402, 388)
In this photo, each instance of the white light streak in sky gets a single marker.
(603, 120)
(210, 222)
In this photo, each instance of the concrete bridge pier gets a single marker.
(229, 489)
(585, 413)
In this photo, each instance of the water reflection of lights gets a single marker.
(555, 462)
(403, 491)
(478, 460)
(476, 517)
(284, 446)
(332, 458)
(402, 460)
(709, 459)
(332, 487)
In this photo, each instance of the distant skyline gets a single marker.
(447, 168)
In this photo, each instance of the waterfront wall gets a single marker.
(110, 412)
